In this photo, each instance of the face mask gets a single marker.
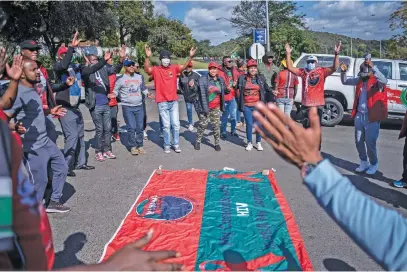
(165, 62)
(311, 66)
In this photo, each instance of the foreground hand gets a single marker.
(14, 72)
(192, 52)
(292, 142)
(58, 111)
(70, 81)
(147, 50)
(132, 257)
(338, 47)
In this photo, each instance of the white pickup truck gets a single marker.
(339, 98)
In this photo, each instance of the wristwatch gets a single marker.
(307, 168)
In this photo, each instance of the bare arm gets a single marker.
(335, 64)
(290, 66)
(147, 67)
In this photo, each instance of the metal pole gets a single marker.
(268, 25)
(257, 51)
(380, 48)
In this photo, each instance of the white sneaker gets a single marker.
(364, 165)
(191, 128)
(249, 147)
(259, 147)
(372, 169)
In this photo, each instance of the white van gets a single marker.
(339, 98)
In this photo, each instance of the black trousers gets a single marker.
(302, 117)
(404, 177)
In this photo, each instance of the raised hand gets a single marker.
(122, 52)
(108, 55)
(132, 257)
(58, 110)
(75, 41)
(192, 52)
(147, 50)
(14, 72)
(292, 142)
(338, 47)
(70, 81)
(3, 60)
(288, 48)
(343, 66)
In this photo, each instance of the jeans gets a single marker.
(230, 109)
(161, 122)
(134, 117)
(170, 119)
(366, 132)
(113, 114)
(189, 112)
(74, 133)
(285, 104)
(36, 162)
(248, 116)
(101, 119)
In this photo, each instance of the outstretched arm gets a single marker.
(290, 66)
(147, 66)
(191, 55)
(335, 64)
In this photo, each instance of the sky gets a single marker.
(359, 19)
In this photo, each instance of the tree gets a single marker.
(53, 22)
(252, 14)
(398, 19)
(204, 48)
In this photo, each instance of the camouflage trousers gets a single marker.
(214, 118)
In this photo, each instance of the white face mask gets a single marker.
(165, 62)
(311, 66)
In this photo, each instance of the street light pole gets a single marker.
(268, 25)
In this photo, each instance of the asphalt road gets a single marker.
(101, 198)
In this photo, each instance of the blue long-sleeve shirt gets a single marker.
(379, 231)
(362, 105)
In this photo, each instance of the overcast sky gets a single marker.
(342, 17)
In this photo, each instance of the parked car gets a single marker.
(339, 98)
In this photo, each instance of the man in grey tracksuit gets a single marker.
(130, 89)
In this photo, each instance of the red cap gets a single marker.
(62, 50)
(251, 62)
(213, 65)
(190, 64)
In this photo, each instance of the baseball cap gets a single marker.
(128, 63)
(164, 54)
(62, 50)
(29, 44)
(190, 64)
(251, 62)
(367, 56)
(213, 64)
(312, 58)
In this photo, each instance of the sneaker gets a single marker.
(399, 184)
(372, 169)
(134, 151)
(177, 149)
(167, 149)
(71, 173)
(109, 155)
(99, 157)
(259, 147)
(197, 146)
(364, 165)
(85, 167)
(217, 148)
(141, 151)
(57, 207)
(191, 128)
(249, 147)
(116, 137)
(161, 135)
(145, 135)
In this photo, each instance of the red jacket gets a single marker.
(112, 81)
(235, 74)
(376, 100)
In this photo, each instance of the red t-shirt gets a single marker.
(285, 82)
(214, 96)
(313, 86)
(165, 82)
(251, 93)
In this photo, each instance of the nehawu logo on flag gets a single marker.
(164, 208)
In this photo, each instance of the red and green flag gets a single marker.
(217, 220)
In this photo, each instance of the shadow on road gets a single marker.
(332, 264)
(67, 192)
(350, 166)
(72, 246)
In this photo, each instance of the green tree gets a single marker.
(55, 21)
(398, 19)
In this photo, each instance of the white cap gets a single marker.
(314, 58)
